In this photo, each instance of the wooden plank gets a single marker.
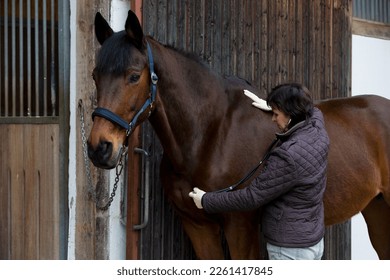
(264, 58)
(316, 50)
(32, 157)
(17, 187)
(85, 214)
(133, 198)
(247, 41)
(48, 187)
(311, 52)
(256, 27)
(86, 229)
(225, 37)
(328, 34)
(285, 43)
(5, 229)
(172, 21)
(216, 41)
(371, 29)
(207, 32)
(337, 23)
(299, 45)
(347, 62)
(291, 34)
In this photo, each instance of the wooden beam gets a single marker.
(133, 196)
(91, 232)
(136, 7)
(370, 29)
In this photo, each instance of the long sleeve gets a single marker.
(277, 177)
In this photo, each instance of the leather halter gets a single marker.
(114, 118)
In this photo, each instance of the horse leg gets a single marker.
(205, 238)
(242, 235)
(377, 217)
(203, 232)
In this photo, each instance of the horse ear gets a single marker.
(102, 29)
(134, 30)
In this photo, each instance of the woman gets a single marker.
(291, 186)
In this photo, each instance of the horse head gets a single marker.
(126, 88)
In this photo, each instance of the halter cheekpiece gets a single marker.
(114, 118)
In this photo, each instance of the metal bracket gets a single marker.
(146, 190)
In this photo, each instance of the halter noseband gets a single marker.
(114, 118)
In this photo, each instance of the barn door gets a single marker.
(33, 77)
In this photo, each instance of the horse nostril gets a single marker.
(102, 153)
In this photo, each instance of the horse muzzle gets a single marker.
(104, 155)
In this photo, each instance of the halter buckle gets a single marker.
(154, 78)
(128, 131)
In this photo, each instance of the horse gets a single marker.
(212, 135)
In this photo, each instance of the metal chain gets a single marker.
(118, 169)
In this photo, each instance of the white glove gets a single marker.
(197, 195)
(258, 102)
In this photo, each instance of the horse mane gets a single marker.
(188, 54)
(233, 81)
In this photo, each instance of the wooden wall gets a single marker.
(29, 191)
(266, 42)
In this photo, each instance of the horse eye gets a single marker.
(134, 78)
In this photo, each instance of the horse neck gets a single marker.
(190, 101)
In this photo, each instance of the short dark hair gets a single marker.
(293, 99)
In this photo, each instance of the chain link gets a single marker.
(118, 169)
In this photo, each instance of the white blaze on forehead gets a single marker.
(257, 102)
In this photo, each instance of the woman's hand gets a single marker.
(197, 195)
(257, 102)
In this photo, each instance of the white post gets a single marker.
(72, 134)
(117, 230)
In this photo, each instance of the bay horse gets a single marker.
(212, 136)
